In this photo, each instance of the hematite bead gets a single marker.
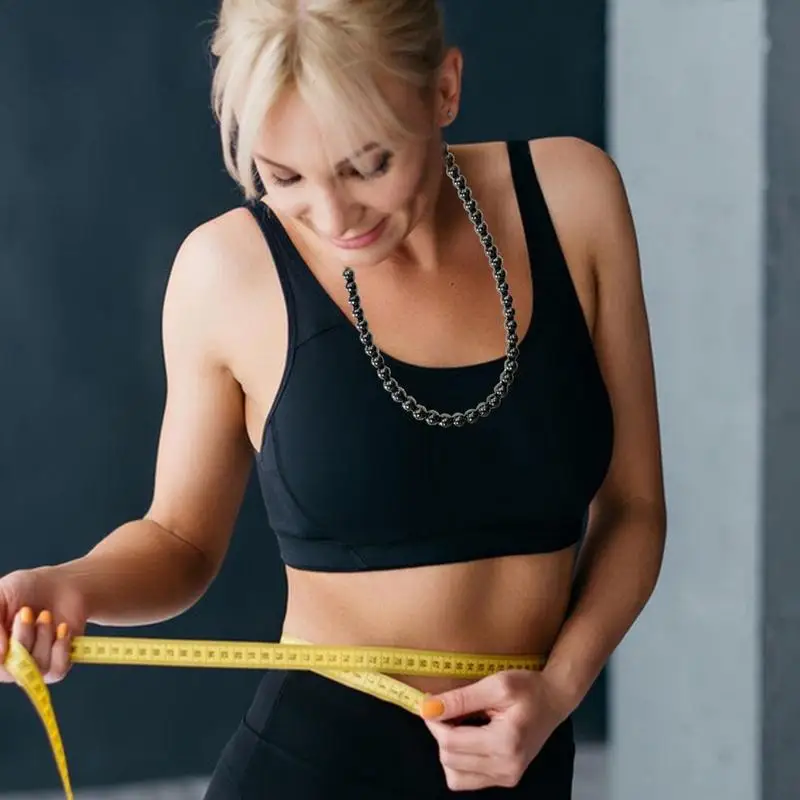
(420, 413)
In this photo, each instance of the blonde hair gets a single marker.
(333, 52)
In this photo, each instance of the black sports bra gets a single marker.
(351, 482)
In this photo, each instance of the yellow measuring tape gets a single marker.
(359, 667)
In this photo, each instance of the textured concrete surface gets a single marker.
(687, 128)
(590, 784)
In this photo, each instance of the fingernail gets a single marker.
(26, 615)
(45, 618)
(61, 632)
(432, 708)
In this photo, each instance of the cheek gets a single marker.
(401, 193)
(410, 190)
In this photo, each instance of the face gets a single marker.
(360, 216)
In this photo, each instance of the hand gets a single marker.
(523, 709)
(42, 612)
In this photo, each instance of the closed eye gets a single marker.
(381, 169)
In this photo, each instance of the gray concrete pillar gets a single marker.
(705, 126)
(780, 691)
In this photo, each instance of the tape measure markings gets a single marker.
(294, 655)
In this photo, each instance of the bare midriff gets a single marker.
(507, 605)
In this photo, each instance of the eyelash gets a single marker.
(380, 170)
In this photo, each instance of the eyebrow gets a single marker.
(367, 148)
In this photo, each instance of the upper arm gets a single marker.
(204, 457)
(607, 243)
(621, 336)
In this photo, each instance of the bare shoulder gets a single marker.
(581, 184)
(585, 193)
(216, 265)
(574, 162)
(215, 255)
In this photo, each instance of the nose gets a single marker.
(333, 213)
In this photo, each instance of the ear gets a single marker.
(448, 89)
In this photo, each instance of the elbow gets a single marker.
(650, 512)
(635, 526)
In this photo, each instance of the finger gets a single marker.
(44, 641)
(4, 676)
(474, 698)
(23, 628)
(60, 660)
(467, 781)
(466, 762)
(455, 739)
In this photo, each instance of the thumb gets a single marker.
(470, 699)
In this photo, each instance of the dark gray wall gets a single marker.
(781, 513)
(108, 157)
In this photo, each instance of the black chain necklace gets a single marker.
(390, 384)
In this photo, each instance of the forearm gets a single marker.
(139, 574)
(617, 572)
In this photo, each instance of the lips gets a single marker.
(362, 240)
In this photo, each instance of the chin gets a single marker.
(364, 259)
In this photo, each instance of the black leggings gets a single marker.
(306, 737)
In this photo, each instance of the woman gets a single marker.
(509, 303)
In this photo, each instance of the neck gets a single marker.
(437, 218)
